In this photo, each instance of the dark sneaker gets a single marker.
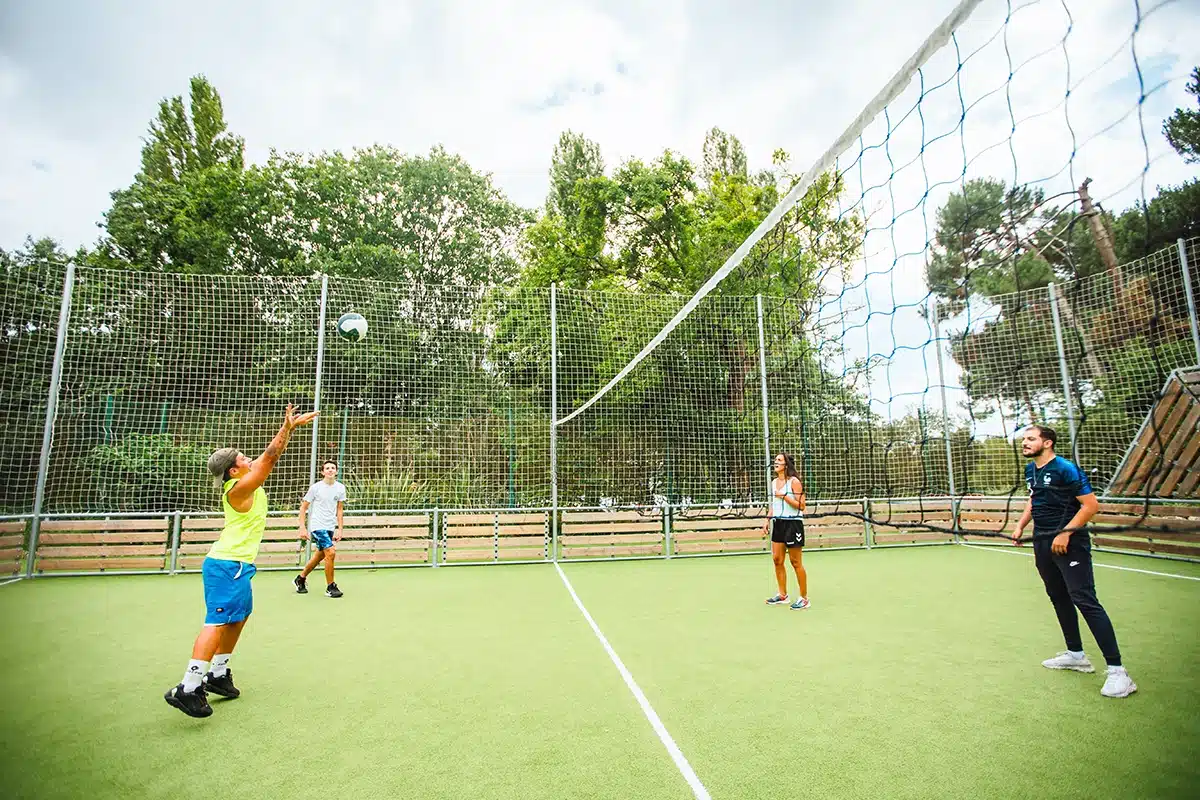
(222, 685)
(194, 704)
(333, 591)
(778, 599)
(301, 585)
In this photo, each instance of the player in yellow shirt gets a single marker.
(229, 567)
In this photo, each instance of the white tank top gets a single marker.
(778, 507)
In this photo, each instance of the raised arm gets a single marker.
(261, 467)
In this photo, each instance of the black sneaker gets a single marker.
(222, 685)
(333, 591)
(194, 704)
(301, 585)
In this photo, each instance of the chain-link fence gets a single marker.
(448, 400)
(1088, 357)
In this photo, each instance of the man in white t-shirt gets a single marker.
(326, 497)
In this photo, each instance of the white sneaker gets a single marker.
(1065, 660)
(1118, 683)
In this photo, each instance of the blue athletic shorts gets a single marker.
(227, 594)
(322, 540)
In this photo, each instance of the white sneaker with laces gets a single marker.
(1065, 660)
(1118, 683)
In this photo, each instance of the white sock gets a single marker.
(220, 664)
(1114, 670)
(1076, 654)
(194, 675)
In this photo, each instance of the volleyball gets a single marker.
(352, 327)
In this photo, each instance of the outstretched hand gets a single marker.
(292, 420)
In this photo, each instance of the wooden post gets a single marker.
(1101, 238)
(1104, 245)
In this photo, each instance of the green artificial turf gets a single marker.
(915, 674)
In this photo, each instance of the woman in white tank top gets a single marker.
(785, 525)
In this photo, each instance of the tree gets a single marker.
(213, 220)
(31, 284)
(179, 145)
(192, 207)
(985, 244)
(1172, 214)
(995, 249)
(1182, 128)
(724, 157)
(659, 229)
(445, 223)
(575, 160)
(991, 244)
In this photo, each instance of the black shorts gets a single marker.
(788, 531)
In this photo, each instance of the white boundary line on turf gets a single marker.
(1094, 564)
(11, 580)
(677, 756)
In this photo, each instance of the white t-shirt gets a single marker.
(322, 510)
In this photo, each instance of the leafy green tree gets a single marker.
(180, 143)
(724, 157)
(661, 228)
(995, 250)
(1182, 129)
(192, 207)
(1172, 214)
(445, 223)
(986, 244)
(575, 160)
(148, 472)
(31, 282)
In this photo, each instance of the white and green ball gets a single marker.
(352, 327)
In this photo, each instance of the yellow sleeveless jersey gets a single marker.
(243, 531)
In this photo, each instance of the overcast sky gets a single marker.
(494, 81)
(1025, 129)
(497, 82)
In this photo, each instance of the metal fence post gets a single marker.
(1062, 368)
(437, 535)
(176, 524)
(60, 349)
(312, 463)
(955, 508)
(668, 515)
(1191, 296)
(867, 535)
(554, 420)
(937, 340)
(306, 550)
(762, 372)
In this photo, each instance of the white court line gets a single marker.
(1094, 564)
(10, 580)
(677, 756)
